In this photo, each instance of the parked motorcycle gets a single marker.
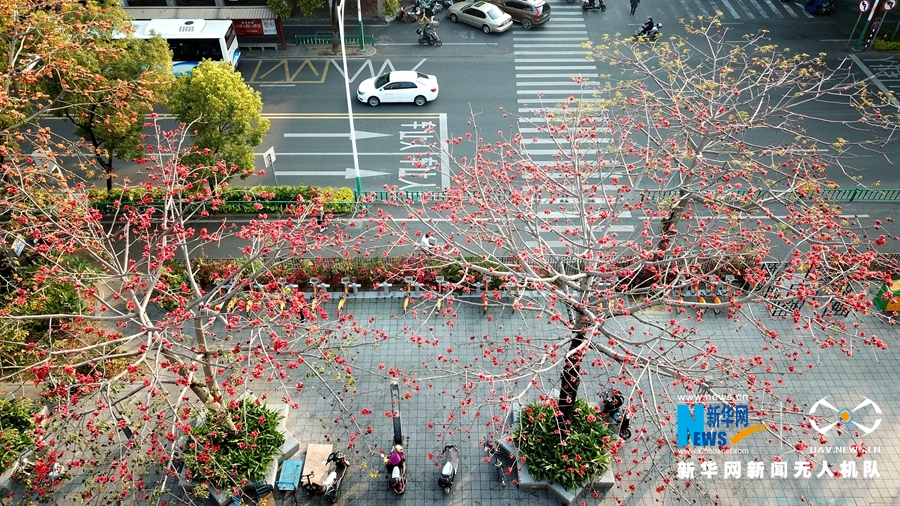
(587, 5)
(612, 403)
(450, 467)
(396, 466)
(648, 32)
(428, 35)
(332, 483)
(410, 14)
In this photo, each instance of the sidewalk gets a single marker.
(420, 352)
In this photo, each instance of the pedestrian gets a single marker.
(634, 4)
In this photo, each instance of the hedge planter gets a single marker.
(224, 459)
(564, 460)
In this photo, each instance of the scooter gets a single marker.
(396, 466)
(450, 467)
(612, 405)
(587, 5)
(428, 35)
(651, 35)
(332, 483)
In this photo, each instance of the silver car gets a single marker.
(484, 15)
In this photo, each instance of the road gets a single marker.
(489, 75)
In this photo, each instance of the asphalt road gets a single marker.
(499, 80)
(496, 77)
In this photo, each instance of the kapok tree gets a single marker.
(165, 335)
(696, 184)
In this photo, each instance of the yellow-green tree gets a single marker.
(224, 117)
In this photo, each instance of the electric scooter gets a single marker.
(587, 5)
(397, 471)
(332, 483)
(450, 467)
(651, 34)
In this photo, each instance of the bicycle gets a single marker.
(424, 18)
(492, 448)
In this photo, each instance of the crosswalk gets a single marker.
(738, 9)
(550, 63)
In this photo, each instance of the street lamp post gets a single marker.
(349, 97)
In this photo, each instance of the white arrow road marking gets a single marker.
(348, 173)
(359, 135)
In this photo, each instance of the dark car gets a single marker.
(528, 12)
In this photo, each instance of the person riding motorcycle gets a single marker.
(648, 25)
(395, 459)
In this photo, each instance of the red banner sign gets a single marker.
(254, 27)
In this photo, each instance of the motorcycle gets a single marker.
(450, 467)
(429, 36)
(431, 6)
(612, 404)
(651, 35)
(332, 483)
(587, 5)
(396, 466)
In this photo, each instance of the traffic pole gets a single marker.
(863, 4)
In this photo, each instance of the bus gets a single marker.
(193, 40)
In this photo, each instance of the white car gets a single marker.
(484, 15)
(398, 86)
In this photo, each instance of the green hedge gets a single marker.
(888, 41)
(237, 200)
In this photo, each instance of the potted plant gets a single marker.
(391, 8)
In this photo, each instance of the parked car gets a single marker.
(398, 86)
(528, 12)
(484, 15)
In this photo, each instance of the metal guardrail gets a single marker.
(325, 39)
(836, 195)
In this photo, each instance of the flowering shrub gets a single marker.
(570, 457)
(225, 458)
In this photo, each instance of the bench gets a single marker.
(325, 39)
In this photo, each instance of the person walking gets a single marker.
(634, 4)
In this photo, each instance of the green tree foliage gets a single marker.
(111, 121)
(224, 118)
(16, 428)
(40, 74)
(281, 8)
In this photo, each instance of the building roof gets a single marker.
(255, 12)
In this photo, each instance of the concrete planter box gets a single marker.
(525, 481)
(288, 449)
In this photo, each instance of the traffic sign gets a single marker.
(889, 4)
(864, 5)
